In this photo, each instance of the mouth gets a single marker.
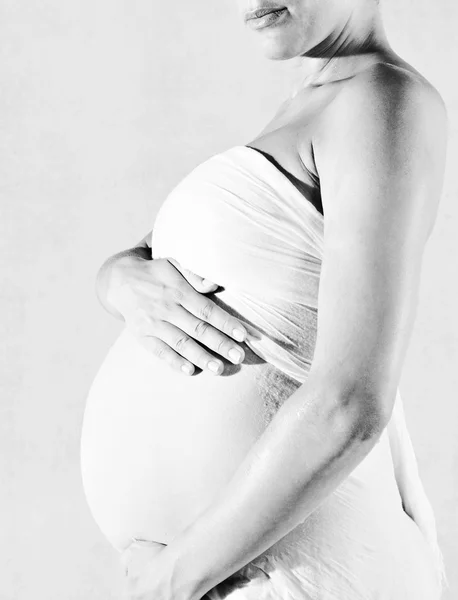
(265, 17)
(261, 12)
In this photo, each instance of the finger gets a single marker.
(146, 550)
(163, 351)
(200, 284)
(207, 335)
(187, 347)
(205, 309)
(142, 543)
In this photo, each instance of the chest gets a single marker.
(288, 136)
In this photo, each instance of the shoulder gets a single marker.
(381, 145)
(385, 100)
(388, 90)
(383, 122)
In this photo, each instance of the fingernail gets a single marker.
(187, 369)
(235, 355)
(207, 282)
(213, 366)
(253, 337)
(239, 334)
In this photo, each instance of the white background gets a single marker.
(104, 106)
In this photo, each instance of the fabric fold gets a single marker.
(240, 222)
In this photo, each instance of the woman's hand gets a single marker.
(138, 554)
(165, 308)
(146, 577)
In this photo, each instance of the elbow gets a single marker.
(363, 413)
(371, 413)
(369, 419)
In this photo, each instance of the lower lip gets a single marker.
(268, 20)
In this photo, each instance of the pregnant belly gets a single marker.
(157, 446)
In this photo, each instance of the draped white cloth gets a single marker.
(239, 221)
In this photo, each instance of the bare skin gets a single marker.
(306, 122)
(165, 308)
(145, 292)
(373, 130)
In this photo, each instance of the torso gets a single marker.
(157, 446)
(288, 138)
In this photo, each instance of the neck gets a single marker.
(358, 44)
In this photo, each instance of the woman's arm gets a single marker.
(153, 295)
(380, 153)
(111, 267)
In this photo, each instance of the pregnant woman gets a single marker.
(285, 471)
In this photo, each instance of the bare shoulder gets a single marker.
(391, 88)
(384, 133)
(387, 98)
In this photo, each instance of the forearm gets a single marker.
(310, 447)
(112, 265)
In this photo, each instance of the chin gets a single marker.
(283, 42)
(277, 49)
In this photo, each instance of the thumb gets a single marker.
(200, 284)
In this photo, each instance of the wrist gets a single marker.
(121, 265)
(118, 272)
(184, 584)
(114, 274)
